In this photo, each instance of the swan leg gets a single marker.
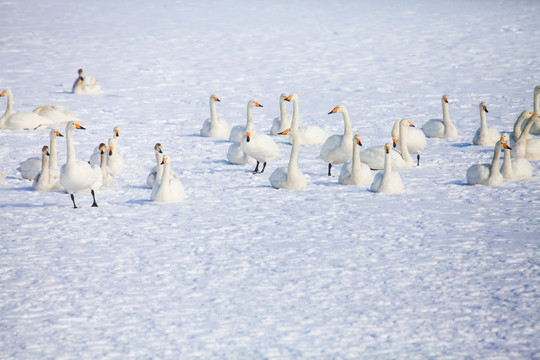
(264, 167)
(256, 171)
(94, 204)
(73, 200)
(418, 160)
(329, 168)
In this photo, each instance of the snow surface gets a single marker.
(240, 270)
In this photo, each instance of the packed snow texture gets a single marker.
(240, 270)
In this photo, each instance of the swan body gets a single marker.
(290, 177)
(79, 176)
(57, 114)
(524, 147)
(355, 172)
(235, 153)
(215, 127)
(85, 84)
(375, 156)
(106, 171)
(157, 171)
(519, 125)
(261, 147)
(30, 167)
(168, 189)
(485, 135)
(283, 121)
(387, 181)
(488, 174)
(416, 140)
(22, 120)
(307, 135)
(337, 149)
(519, 168)
(436, 128)
(44, 180)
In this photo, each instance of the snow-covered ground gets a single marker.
(240, 270)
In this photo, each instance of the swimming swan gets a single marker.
(307, 135)
(30, 167)
(290, 177)
(485, 135)
(215, 127)
(519, 168)
(283, 121)
(355, 172)
(337, 149)
(85, 84)
(436, 128)
(488, 174)
(261, 147)
(78, 176)
(168, 189)
(387, 181)
(22, 120)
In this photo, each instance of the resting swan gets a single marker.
(488, 174)
(115, 160)
(416, 140)
(157, 171)
(436, 128)
(485, 135)
(519, 168)
(261, 147)
(375, 156)
(235, 154)
(519, 125)
(524, 147)
(307, 135)
(22, 120)
(45, 180)
(30, 167)
(535, 129)
(337, 149)
(106, 171)
(215, 127)
(85, 84)
(283, 121)
(56, 113)
(387, 181)
(355, 172)
(79, 176)
(291, 177)
(168, 189)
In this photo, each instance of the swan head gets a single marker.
(45, 150)
(158, 148)
(214, 98)
(504, 141)
(73, 125)
(165, 159)
(356, 139)
(285, 132)
(444, 99)
(6, 92)
(291, 97)
(283, 97)
(387, 148)
(56, 133)
(81, 74)
(102, 148)
(340, 108)
(116, 131)
(483, 106)
(253, 103)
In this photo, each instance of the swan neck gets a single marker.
(387, 171)
(483, 121)
(356, 158)
(44, 167)
(507, 162)
(9, 109)
(294, 121)
(536, 101)
(517, 127)
(249, 115)
(282, 112)
(54, 156)
(496, 158)
(213, 113)
(403, 147)
(293, 161)
(71, 157)
(165, 176)
(525, 132)
(347, 124)
(103, 163)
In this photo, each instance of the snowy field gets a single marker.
(240, 270)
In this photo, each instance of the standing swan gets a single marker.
(337, 149)
(78, 176)
(22, 120)
(283, 121)
(168, 189)
(85, 84)
(261, 147)
(215, 127)
(307, 135)
(436, 128)
(485, 135)
(355, 172)
(387, 181)
(30, 167)
(239, 131)
(235, 154)
(291, 177)
(488, 174)
(519, 168)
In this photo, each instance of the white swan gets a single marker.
(387, 181)
(235, 155)
(436, 128)
(283, 121)
(168, 189)
(261, 147)
(106, 171)
(337, 149)
(22, 120)
(157, 171)
(416, 140)
(519, 168)
(519, 125)
(43, 181)
(57, 113)
(488, 174)
(307, 135)
(535, 129)
(215, 127)
(30, 167)
(85, 84)
(375, 156)
(115, 160)
(78, 176)
(485, 135)
(290, 177)
(355, 172)
(524, 147)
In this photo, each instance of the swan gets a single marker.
(235, 155)
(78, 176)
(374, 156)
(85, 84)
(488, 174)
(291, 177)
(157, 171)
(283, 121)
(436, 128)
(307, 135)
(214, 126)
(387, 181)
(56, 113)
(519, 168)
(337, 149)
(106, 171)
(485, 135)
(416, 140)
(115, 160)
(535, 129)
(22, 120)
(261, 147)
(355, 172)
(168, 189)
(524, 147)
(518, 126)
(30, 167)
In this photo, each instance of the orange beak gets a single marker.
(3, 93)
(58, 134)
(288, 98)
(216, 98)
(248, 136)
(257, 104)
(394, 141)
(334, 110)
(77, 126)
(358, 141)
(284, 132)
(110, 150)
(117, 133)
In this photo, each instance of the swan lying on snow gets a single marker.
(215, 127)
(290, 177)
(485, 135)
(114, 160)
(85, 84)
(157, 171)
(168, 189)
(337, 149)
(436, 128)
(416, 140)
(283, 121)
(56, 113)
(22, 120)
(488, 174)
(106, 171)
(525, 147)
(519, 168)
(30, 167)
(387, 181)
(355, 172)
(45, 180)
(307, 135)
